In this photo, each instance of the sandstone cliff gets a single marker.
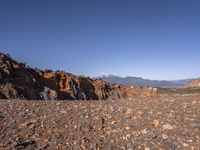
(20, 82)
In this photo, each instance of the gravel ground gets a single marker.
(164, 123)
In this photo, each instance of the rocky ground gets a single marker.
(165, 122)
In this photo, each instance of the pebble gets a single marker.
(127, 128)
(168, 127)
(170, 145)
(129, 111)
(130, 145)
(156, 123)
(185, 144)
(194, 125)
(164, 136)
(144, 131)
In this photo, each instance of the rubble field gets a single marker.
(165, 122)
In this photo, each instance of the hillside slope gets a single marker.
(193, 84)
(20, 82)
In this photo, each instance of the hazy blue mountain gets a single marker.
(183, 82)
(137, 81)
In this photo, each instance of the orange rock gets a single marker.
(193, 84)
(28, 83)
(129, 111)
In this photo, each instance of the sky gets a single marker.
(153, 39)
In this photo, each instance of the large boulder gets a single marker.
(48, 94)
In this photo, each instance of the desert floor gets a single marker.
(163, 122)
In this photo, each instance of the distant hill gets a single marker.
(193, 84)
(137, 81)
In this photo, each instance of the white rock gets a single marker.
(168, 127)
(144, 131)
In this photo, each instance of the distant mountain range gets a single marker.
(137, 81)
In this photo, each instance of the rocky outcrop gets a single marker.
(193, 84)
(20, 82)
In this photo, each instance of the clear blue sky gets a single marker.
(155, 39)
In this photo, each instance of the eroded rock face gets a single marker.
(193, 84)
(20, 82)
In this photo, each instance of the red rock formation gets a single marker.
(18, 81)
(193, 84)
